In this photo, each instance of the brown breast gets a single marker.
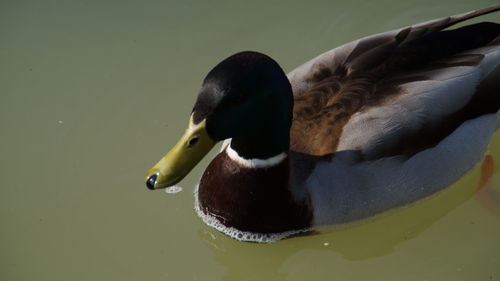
(256, 200)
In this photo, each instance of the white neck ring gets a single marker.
(255, 162)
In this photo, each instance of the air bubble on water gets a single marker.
(173, 189)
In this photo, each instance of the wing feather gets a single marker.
(376, 93)
(418, 107)
(302, 78)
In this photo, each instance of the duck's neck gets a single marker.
(269, 139)
(266, 142)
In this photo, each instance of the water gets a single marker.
(92, 93)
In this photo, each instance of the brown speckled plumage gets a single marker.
(320, 114)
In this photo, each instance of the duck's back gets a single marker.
(398, 92)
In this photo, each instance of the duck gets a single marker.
(370, 126)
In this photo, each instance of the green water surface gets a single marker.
(92, 93)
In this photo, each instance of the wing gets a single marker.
(376, 93)
(353, 190)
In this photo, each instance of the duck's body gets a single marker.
(375, 124)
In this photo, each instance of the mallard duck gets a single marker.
(375, 124)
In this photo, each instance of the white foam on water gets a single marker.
(246, 236)
(173, 189)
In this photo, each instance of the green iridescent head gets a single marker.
(248, 98)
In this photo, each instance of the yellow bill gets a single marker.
(178, 162)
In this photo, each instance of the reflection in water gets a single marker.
(486, 194)
(364, 240)
(248, 261)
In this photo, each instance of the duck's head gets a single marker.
(246, 97)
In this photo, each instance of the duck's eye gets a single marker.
(193, 141)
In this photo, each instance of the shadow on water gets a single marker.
(372, 238)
